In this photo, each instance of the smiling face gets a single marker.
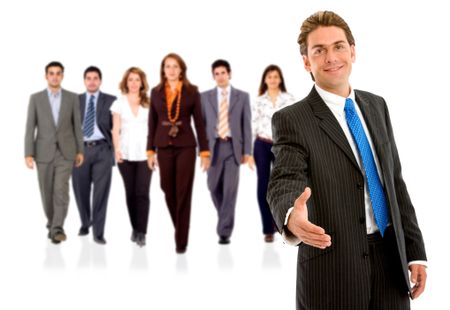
(329, 58)
(172, 70)
(273, 80)
(134, 83)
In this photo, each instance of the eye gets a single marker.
(318, 51)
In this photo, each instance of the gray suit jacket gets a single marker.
(311, 150)
(42, 137)
(240, 120)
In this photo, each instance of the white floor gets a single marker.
(79, 274)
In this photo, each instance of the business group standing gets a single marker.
(227, 115)
(130, 118)
(54, 141)
(172, 144)
(96, 171)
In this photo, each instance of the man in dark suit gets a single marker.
(336, 188)
(53, 140)
(99, 156)
(227, 115)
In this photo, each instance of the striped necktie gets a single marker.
(223, 128)
(376, 192)
(89, 118)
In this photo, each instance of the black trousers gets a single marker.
(95, 173)
(177, 168)
(263, 160)
(136, 177)
(388, 288)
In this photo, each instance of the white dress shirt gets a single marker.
(263, 110)
(133, 130)
(55, 103)
(336, 104)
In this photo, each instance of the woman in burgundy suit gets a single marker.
(174, 101)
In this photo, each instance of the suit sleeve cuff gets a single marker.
(205, 154)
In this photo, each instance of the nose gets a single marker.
(330, 56)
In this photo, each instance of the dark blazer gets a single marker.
(240, 121)
(158, 134)
(42, 137)
(311, 150)
(104, 116)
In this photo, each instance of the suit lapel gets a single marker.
(330, 125)
(372, 120)
(233, 99)
(65, 105)
(82, 106)
(212, 99)
(100, 106)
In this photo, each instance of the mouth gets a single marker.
(333, 69)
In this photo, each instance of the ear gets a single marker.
(306, 63)
(352, 53)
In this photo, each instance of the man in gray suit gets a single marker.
(53, 139)
(336, 189)
(96, 171)
(227, 115)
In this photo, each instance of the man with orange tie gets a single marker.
(227, 115)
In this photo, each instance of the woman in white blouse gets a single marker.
(130, 118)
(273, 96)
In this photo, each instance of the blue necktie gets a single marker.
(376, 192)
(89, 118)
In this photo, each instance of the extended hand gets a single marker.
(418, 278)
(303, 229)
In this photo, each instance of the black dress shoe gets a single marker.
(83, 231)
(100, 240)
(180, 250)
(140, 239)
(134, 236)
(224, 240)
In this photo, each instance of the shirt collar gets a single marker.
(335, 102)
(52, 94)
(228, 89)
(96, 94)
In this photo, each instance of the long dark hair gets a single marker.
(263, 85)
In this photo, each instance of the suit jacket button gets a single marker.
(360, 185)
(365, 255)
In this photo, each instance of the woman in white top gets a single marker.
(272, 97)
(130, 118)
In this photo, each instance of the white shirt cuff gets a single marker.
(289, 238)
(419, 262)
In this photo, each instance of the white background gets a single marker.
(402, 54)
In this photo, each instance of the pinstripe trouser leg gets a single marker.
(388, 289)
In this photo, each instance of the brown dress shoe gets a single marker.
(268, 238)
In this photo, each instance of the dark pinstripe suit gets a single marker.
(311, 150)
